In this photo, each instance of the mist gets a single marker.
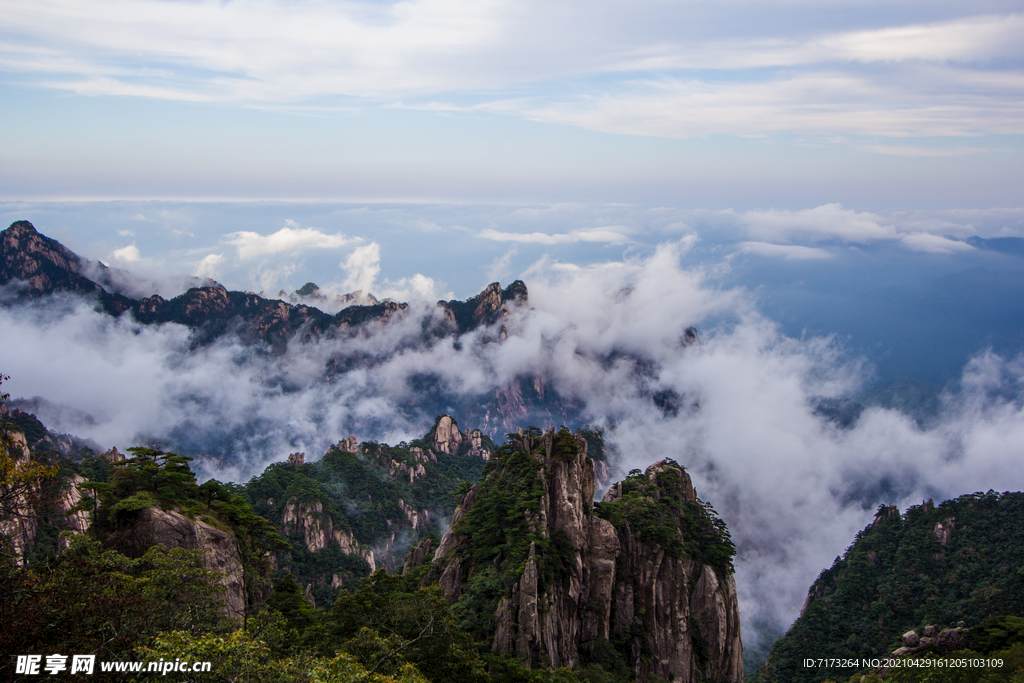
(737, 409)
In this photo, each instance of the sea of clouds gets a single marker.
(793, 487)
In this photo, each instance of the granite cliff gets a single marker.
(548, 578)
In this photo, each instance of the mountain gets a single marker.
(932, 566)
(39, 266)
(641, 583)
(532, 580)
(33, 266)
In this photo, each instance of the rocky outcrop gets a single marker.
(400, 468)
(446, 436)
(419, 520)
(77, 521)
(673, 617)
(486, 308)
(113, 455)
(309, 522)
(934, 641)
(19, 525)
(944, 530)
(475, 439)
(423, 551)
(174, 530)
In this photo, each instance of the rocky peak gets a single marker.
(885, 513)
(446, 438)
(584, 580)
(113, 455)
(680, 486)
(690, 337)
(486, 308)
(297, 459)
(44, 265)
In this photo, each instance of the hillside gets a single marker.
(939, 565)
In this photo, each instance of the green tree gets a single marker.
(90, 600)
(386, 623)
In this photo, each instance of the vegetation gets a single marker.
(359, 493)
(91, 594)
(90, 600)
(960, 561)
(660, 514)
(19, 476)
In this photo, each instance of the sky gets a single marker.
(740, 104)
(829, 191)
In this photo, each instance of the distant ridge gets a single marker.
(43, 266)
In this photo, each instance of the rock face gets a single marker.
(447, 437)
(41, 263)
(308, 521)
(486, 308)
(21, 527)
(676, 618)
(175, 530)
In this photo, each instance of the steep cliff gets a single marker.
(37, 499)
(644, 581)
(154, 526)
(362, 505)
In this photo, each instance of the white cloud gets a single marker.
(501, 266)
(909, 151)
(288, 239)
(934, 244)
(209, 265)
(790, 252)
(966, 39)
(362, 268)
(821, 102)
(615, 234)
(416, 288)
(826, 222)
(129, 254)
